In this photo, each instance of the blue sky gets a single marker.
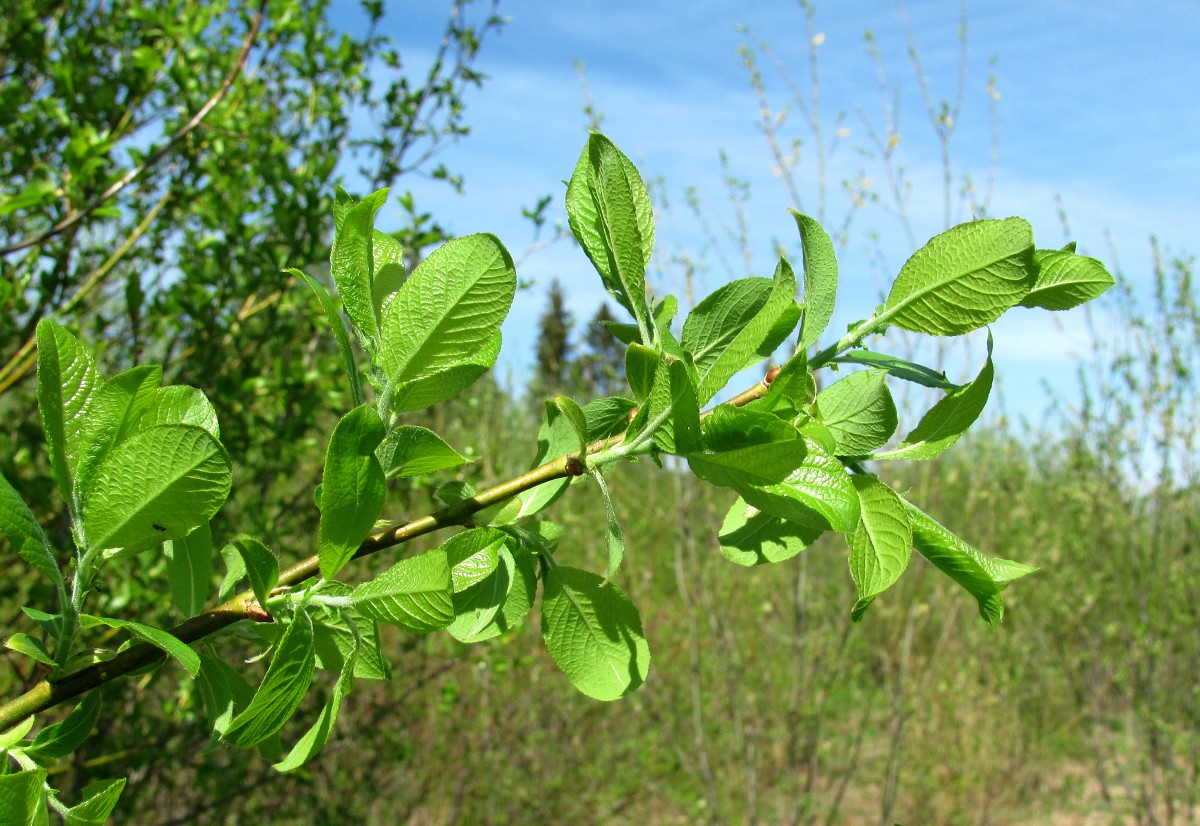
(1097, 106)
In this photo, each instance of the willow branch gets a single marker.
(244, 606)
(158, 154)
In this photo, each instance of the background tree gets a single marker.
(555, 351)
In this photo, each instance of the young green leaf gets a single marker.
(22, 643)
(858, 410)
(614, 537)
(419, 394)
(99, 800)
(223, 691)
(414, 594)
(318, 735)
(67, 381)
(610, 216)
(791, 391)
(334, 640)
(641, 366)
(283, 686)
(728, 330)
(450, 307)
(159, 484)
(480, 579)
(947, 420)
(963, 279)
(20, 527)
(981, 576)
(746, 448)
(189, 569)
(607, 417)
(334, 319)
(817, 494)
(750, 537)
(594, 633)
(881, 545)
(169, 644)
(352, 267)
(261, 565)
(113, 414)
(898, 367)
(472, 555)
(517, 574)
(387, 274)
(178, 404)
(410, 450)
(22, 799)
(820, 279)
(64, 737)
(1066, 280)
(556, 437)
(576, 418)
(353, 488)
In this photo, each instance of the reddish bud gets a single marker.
(632, 414)
(574, 466)
(772, 374)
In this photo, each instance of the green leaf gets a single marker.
(283, 686)
(614, 537)
(881, 545)
(410, 450)
(641, 366)
(353, 488)
(947, 420)
(113, 414)
(99, 800)
(576, 418)
(189, 569)
(480, 580)
(414, 594)
(817, 494)
(1066, 280)
(556, 437)
(898, 367)
(859, 411)
(352, 267)
(448, 309)
(64, 737)
(334, 318)
(158, 484)
(594, 633)
(12, 736)
(178, 404)
(20, 527)
(22, 643)
(261, 565)
(726, 332)
(449, 382)
(611, 217)
(964, 278)
(750, 537)
(235, 570)
(820, 279)
(607, 417)
(387, 259)
(21, 798)
(168, 643)
(746, 448)
(517, 577)
(318, 735)
(791, 392)
(981, 576)
(335, 641)
(223, 691)
(67, 381)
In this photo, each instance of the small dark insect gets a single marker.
(159, 528)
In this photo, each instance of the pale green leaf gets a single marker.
(881, 545)
(21, 798)
(1066, 280)
(318, 735)
(283, 686)
(334, 319)
(449, 308)
(594, 633)
(20, 527)
(614, 537)
(64, 737)
(335, 640)
(178, 404)
(353, 488)
(859, 412)
(179, 650)
(99, 800)
(261, 566)
(22, 643)
(576, 418)
(415, 594)
(480, 580)
(750, 537)
(159, 484)
(67, 382)
(352, 267)
(898, 367)
(745, 448)
(447, 383)
(189, 569)
(818, 493)
(410, 450)
(609, 212)
(820, 279)
(963, 279)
